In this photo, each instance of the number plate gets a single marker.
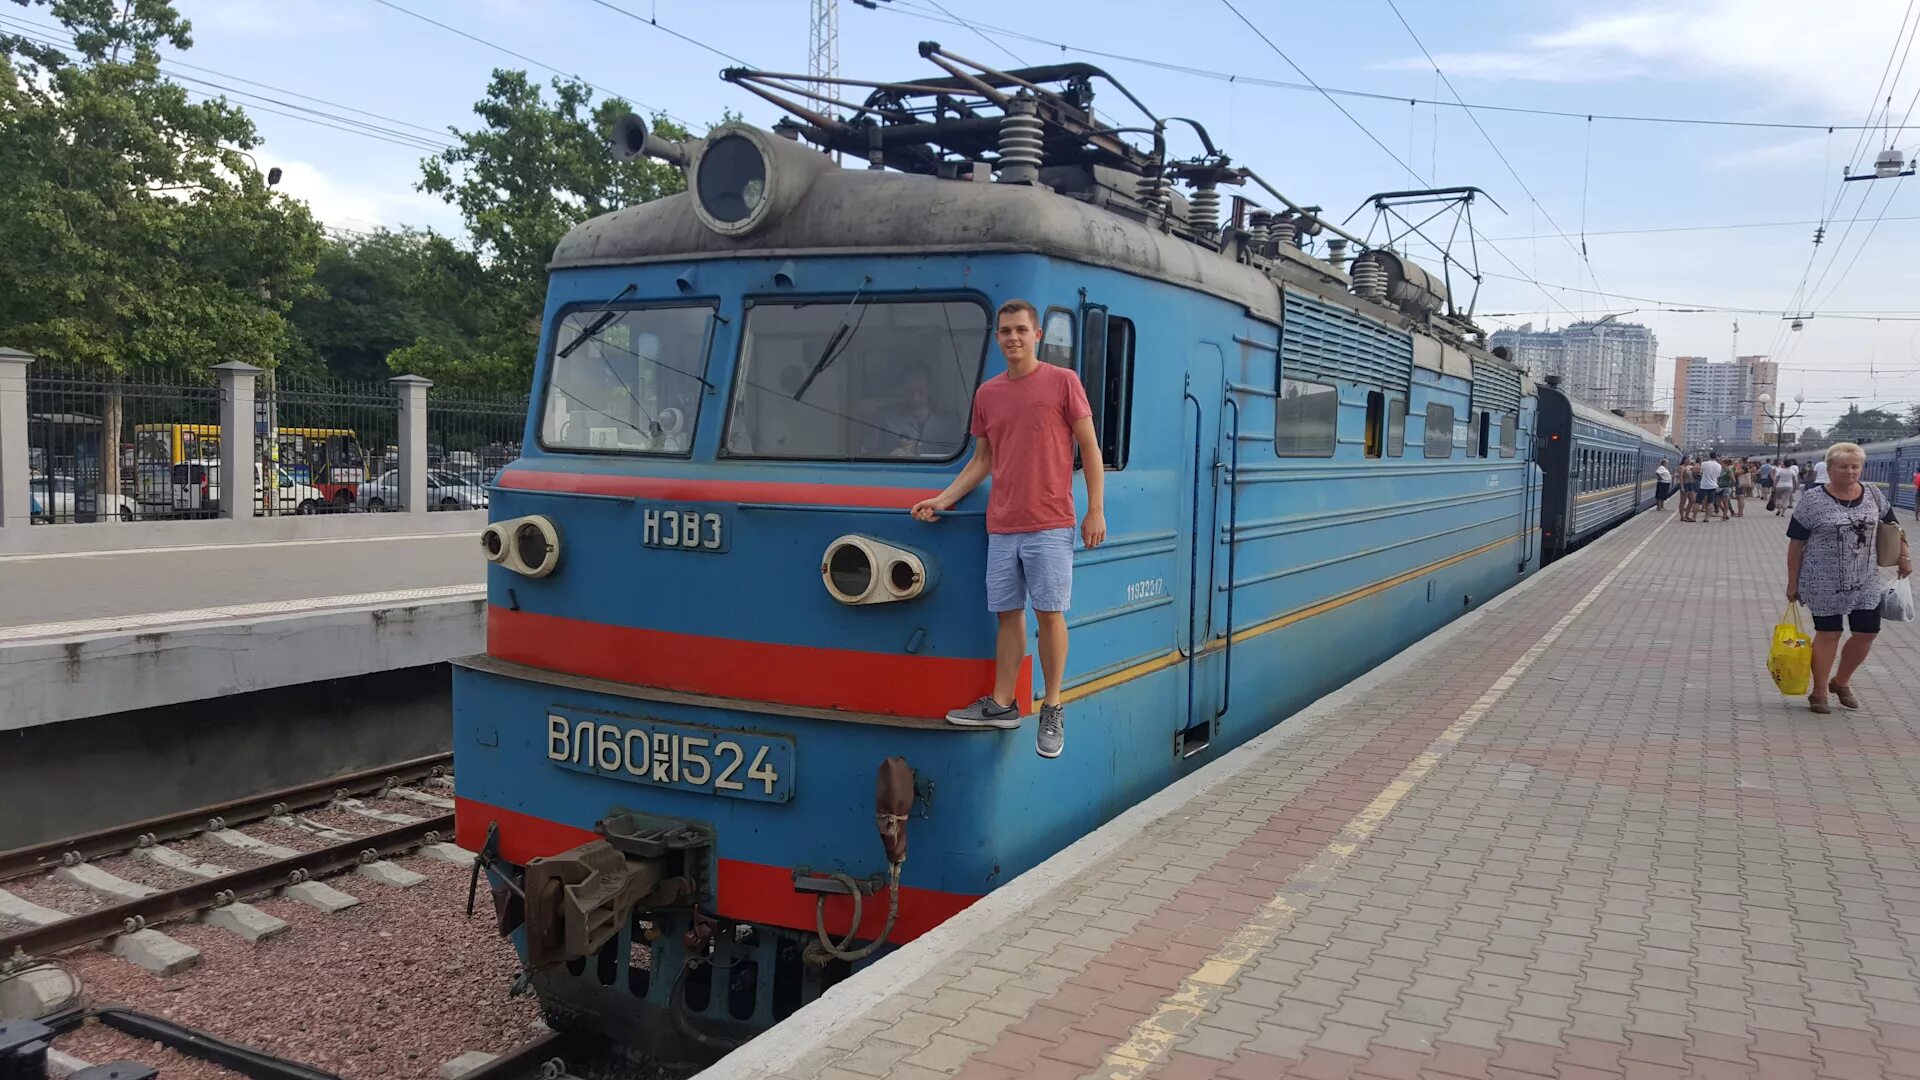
(712, 761)
(684, 527)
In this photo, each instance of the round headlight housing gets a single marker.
(743, 179)
(731, 181)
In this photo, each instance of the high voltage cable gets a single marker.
(1376, 139)
(1579, 250)
(536, 63)
(169, 61)
(655, 23)
(1801, 295)
(318, 117)
(905, 7)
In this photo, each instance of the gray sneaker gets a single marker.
(1053, 731)
(986, 713)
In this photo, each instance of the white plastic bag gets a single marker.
(1896, 604)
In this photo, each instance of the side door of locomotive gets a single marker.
(1206, 429)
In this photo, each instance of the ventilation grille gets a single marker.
(1495, 389)
(1332, 342)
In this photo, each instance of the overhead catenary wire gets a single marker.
(1368, 132)
(908, 8)
(1580, 249)
(306, 114)
(543, 65)
(656, 24)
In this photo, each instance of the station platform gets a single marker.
(140, 681)
(1578, 833)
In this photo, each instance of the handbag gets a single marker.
(1886, 543)
(1886, 538)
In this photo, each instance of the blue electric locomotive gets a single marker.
(711, 619)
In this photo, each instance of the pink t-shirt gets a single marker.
(1029, 423)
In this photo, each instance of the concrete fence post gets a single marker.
(412, 476)
(236, 439)
(16, 507)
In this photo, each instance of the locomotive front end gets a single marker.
(719, 649)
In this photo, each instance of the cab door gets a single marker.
(1204, 657)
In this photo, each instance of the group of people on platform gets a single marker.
(1720, 486)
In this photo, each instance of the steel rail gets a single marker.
(551, 1054)
(23, 861)
(213, 892)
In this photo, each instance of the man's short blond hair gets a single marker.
(1033, 313)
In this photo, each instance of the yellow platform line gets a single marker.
(1153, 1037)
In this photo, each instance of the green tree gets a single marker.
(379, 293)
(1913, 419)
(134, 230)
(1811, 434)
(535, 168)
(1867, 425)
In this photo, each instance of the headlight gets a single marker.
(861, 570)
(732, 180)
(742, 177)
(528, 545)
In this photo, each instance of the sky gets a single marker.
(1565, 183)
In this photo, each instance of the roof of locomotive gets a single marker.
(849, 210)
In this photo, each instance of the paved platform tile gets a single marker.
(1587, 838)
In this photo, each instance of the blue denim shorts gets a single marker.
(1034, 566)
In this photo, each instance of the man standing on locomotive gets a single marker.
(1026, 424)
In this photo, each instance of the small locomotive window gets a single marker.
(1306, 419)
(1510, 435)
(1396, 427)
(859, 380)
(1376, 423)
(1486, 432)
(1439, 432)
(629, 381)
(1107, 375)
(1056, 342)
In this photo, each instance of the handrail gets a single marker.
(1233, 549)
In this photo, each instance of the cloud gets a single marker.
(278, 20)
(1825, 54)
(1796, 151)
(362, 204)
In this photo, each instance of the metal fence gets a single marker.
(145, 445)
(469, 440)
(331, 443)
(107, 448)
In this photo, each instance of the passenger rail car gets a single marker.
(1891, 467)
(1597, 470)
(712, 623)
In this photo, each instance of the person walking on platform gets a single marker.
(1664, 486)
(1710, 470)
(1742, 486)
(1831, 569)
(1766, 480)
(1725, 499)
(1786, 487)
(1689, 487)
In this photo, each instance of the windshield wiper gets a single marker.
(607, 315)
(841, 333)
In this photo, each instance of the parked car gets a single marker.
(445, 491)
(196, 490)
(54, 500)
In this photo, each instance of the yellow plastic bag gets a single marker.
(1791, 658)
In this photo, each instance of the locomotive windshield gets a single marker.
(857, 380)
(632, 387)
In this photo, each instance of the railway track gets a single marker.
(218, 894)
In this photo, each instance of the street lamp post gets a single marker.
(1780, 417)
